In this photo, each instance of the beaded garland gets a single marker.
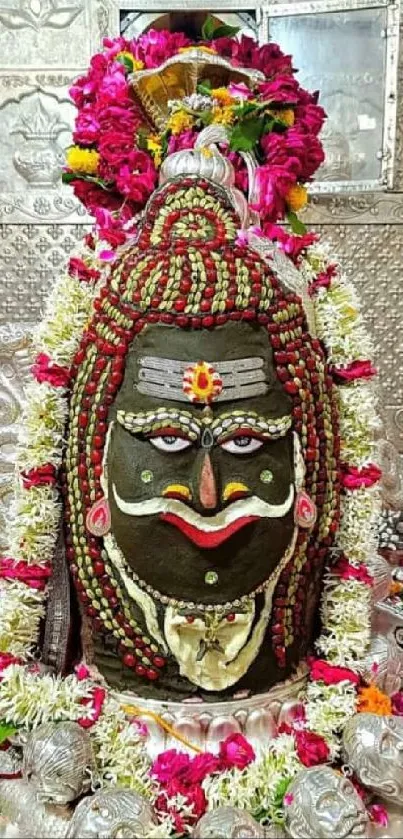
(198, 281)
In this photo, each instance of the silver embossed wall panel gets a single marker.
(44, 44)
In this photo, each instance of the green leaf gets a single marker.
(6, 731)
(204, 87)
(246, 134)
(296, 224)
(211, 30)
(68, 177)
(208, 28)
(126, 61)
(225, 31)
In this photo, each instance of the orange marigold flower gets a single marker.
(395, 588)
(296, 197)
(371, 700)
(222, 95)
(287, 116)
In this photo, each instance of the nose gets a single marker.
(207, 485)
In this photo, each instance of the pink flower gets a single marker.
(96, 702)
(293, 246)
(311, 748)
(355, 370)
(169, 765)
(282, 89)
(273, 183)
(115, 148)
(35, 576)
(137, 180)
(378, 814)
(86, 129)
(109, 227)
(310, 117)
(40, 476)
(352, 572)
(178, 142)
(78, 268)
(140, 727)
(45, 370)
(114, 88)
(353, 478)
(288, 799)
(241, 172)
(199, 767)
(6, 659)
(82, 672)
(154, 47)
(236, 751)
(324, 279)
(122, 118)
(240, 91)
(321, 671)
(397, 703)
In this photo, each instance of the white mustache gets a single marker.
(252, 506)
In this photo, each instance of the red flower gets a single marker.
(293, 246)
(236, 751)
(397, 703)
(283, 89)
(321, 671)
(35, 576)
(40, 476)
(78, 268)
(86, 129)
(353, 478)
(169, 765)
(352, 572)
(93, 196)
(137, 180)
(45, 370)
(115, 147)
(311, 748)
(201, 766)
(355, 370)
(96, 701)
(6, 659)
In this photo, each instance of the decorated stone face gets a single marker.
(110, 814)
(373, 746)
(201, 467)
(324, 804)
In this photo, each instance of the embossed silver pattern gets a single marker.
(324, 803)
(59, 762)
(373, 748)
(228, 823)
(112, 813)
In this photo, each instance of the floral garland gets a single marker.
(113, 165)
(182, 788)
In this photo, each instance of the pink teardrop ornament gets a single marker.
(304, 511)
(98, 519)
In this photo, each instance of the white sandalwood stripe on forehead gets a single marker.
(164, 377)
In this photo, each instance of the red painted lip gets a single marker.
(209, 539)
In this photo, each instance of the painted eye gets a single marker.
(243, 444)
(170, 443)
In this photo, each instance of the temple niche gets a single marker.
(201, 596)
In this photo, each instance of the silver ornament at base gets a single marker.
(323, 804)
(228, 823)
(24, 817)
(59, 762)
(373, 747)
(112, 814)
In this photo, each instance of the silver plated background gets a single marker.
(373, 747)
(44, 45)
(324, 803)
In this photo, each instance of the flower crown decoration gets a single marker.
(120, 142)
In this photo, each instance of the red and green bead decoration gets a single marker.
(195, 280)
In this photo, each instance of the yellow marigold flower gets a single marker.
(223, 116)
(155, 147)
(137, 65)
(199, 49)
(82, 160)
(287, 116)
(222, 95)
(297, 197)
(206, 152)
(179, 121)
(371, 700)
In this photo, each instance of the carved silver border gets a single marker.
(312, 7)
(108, 13)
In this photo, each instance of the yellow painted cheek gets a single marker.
(232, 488)
(178, 489)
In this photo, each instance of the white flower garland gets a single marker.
(27, 698)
